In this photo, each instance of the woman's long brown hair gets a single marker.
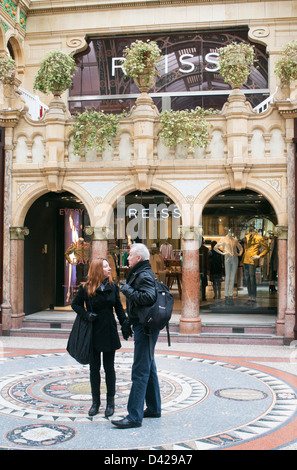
(95, 276)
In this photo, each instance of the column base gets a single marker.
(17, 320)
(289, 325)
(188, 326)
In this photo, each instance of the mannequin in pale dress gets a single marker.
(231, 249)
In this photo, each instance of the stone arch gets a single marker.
(18, 50)
(2, 39)
(104, 209)
(278, 203)
(36, 190)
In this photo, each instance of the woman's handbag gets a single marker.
(79, 344)
(80, 341)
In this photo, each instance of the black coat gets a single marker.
(105, 333)
(140, 291)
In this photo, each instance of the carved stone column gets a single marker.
(17, 236)
(190, 322)
(282, 232)
(99, 241)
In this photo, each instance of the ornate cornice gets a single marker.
(46, 7)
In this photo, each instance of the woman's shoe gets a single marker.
(94, 409)
(109, 411)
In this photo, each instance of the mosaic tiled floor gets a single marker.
(207, 403)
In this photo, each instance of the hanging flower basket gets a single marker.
(141, 60)
(188, 127)
(235, 62)
(55, 73)
(93, 129)
(7, 69)
(286, 66)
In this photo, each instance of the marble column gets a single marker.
(290, 315)
(17, 236)
(99, 241)
(190, 322)
(282, 232)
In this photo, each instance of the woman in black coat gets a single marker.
(95, 301)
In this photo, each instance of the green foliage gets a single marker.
(185, 127)
(141, 56)
(235, 62)
(7, 68)
(93, 129)
(286, 66)
(55, 73)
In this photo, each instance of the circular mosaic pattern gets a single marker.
(40, 435)
(65, 392)
(241, 394)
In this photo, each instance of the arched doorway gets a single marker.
(151, 218)
(239, 215)
(56, 251)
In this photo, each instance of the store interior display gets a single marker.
(238, 257)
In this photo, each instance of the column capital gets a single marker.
(190, 232)
(282, 232)
(99, 233)
(18, 233)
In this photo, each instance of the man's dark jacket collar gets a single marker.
(139, 267)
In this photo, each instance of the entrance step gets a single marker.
(212, 332)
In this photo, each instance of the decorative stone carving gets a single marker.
(99, 233)
(18, 233)
(190, 232)
(282, 232)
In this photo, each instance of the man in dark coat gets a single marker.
(141, 293)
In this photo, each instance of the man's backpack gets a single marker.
(160, 312)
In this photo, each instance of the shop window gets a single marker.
(188, 73)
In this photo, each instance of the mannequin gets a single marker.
(254, 244)
(216, 270)
(273, 262)
(230, 248)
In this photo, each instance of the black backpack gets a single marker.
(160, 312)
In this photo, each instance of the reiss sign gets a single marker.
(186, 62)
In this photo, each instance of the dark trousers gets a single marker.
(110, 377)
(250, 274)
(145, 384)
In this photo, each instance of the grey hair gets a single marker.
(141, 250)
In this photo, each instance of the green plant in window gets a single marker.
(235, 62)
(187, 127)
(286, 66)
(55, 73)
(93, 129)
(7, 68)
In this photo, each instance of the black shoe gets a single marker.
(125, 423)
(148, 414)
(94, 409)
(109, 411)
